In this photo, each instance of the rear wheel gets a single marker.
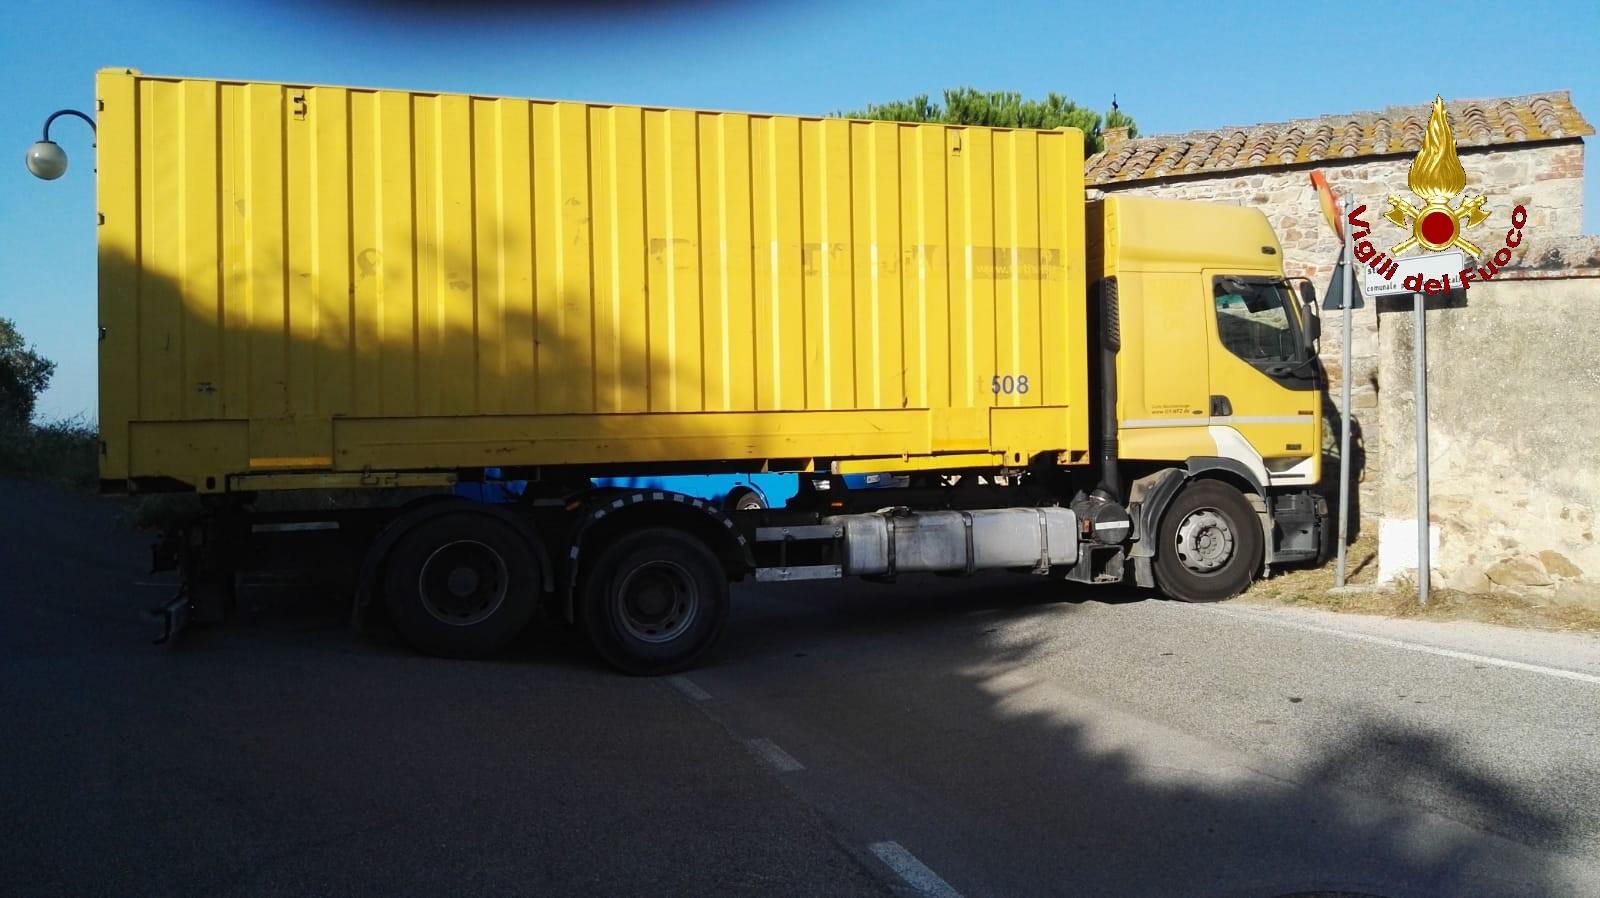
(654, 601)
(1210, 543)
(745, 500)
(461, 585)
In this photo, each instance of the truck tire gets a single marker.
(461, 585)
(654, 602)
(1210, 543)
(743, 499)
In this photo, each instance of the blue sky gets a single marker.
(1201, 65)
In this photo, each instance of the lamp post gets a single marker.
(46, 159)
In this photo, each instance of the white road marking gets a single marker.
(688, 688)
(915, 873)
(781, 760)
(1407, 646)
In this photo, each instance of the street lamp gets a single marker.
(46, 159)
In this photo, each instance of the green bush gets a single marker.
(1002, 109)
(66, 451)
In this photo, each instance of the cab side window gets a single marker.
(1253, 321)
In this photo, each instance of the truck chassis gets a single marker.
(644, 574)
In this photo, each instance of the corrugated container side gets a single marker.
(326, 278)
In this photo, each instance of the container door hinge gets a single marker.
(297, 100)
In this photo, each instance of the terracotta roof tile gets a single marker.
(1398, 129)
(1198, 153)
(1509, 123)
(1229, 149)
(1257, 148)
(1411, 131)
(1350, 140)
(1382, 137)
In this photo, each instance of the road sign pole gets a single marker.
(1349, 279)
(1420, 363)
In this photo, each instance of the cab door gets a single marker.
(1163, 367)
(1265, 394)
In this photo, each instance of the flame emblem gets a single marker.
(1437, 177)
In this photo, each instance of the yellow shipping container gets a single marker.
(344, 281)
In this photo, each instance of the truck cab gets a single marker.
(1216, 371)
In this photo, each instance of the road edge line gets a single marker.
(779, 759)
(1424, 648)
(913, 872)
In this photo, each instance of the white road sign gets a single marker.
(1432, 267)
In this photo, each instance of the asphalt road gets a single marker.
(997, 736)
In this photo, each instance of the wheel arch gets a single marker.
(369, 583)
(655, 508)
(1155, 492)
(1226, 469)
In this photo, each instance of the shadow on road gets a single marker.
(289, 754)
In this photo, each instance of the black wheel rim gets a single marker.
(657, 601)
(463, 582)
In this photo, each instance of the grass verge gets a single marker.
(1313, 588)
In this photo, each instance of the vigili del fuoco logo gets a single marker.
(1439, 224)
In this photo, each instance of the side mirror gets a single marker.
(1310, 320)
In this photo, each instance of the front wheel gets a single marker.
(654, 601)
(1210, 543)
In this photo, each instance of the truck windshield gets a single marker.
(1256, 320)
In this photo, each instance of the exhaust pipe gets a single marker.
(1110, 345)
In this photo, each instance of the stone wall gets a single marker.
(1513, 401)
(1547, 178)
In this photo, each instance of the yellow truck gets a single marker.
(312, 293)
